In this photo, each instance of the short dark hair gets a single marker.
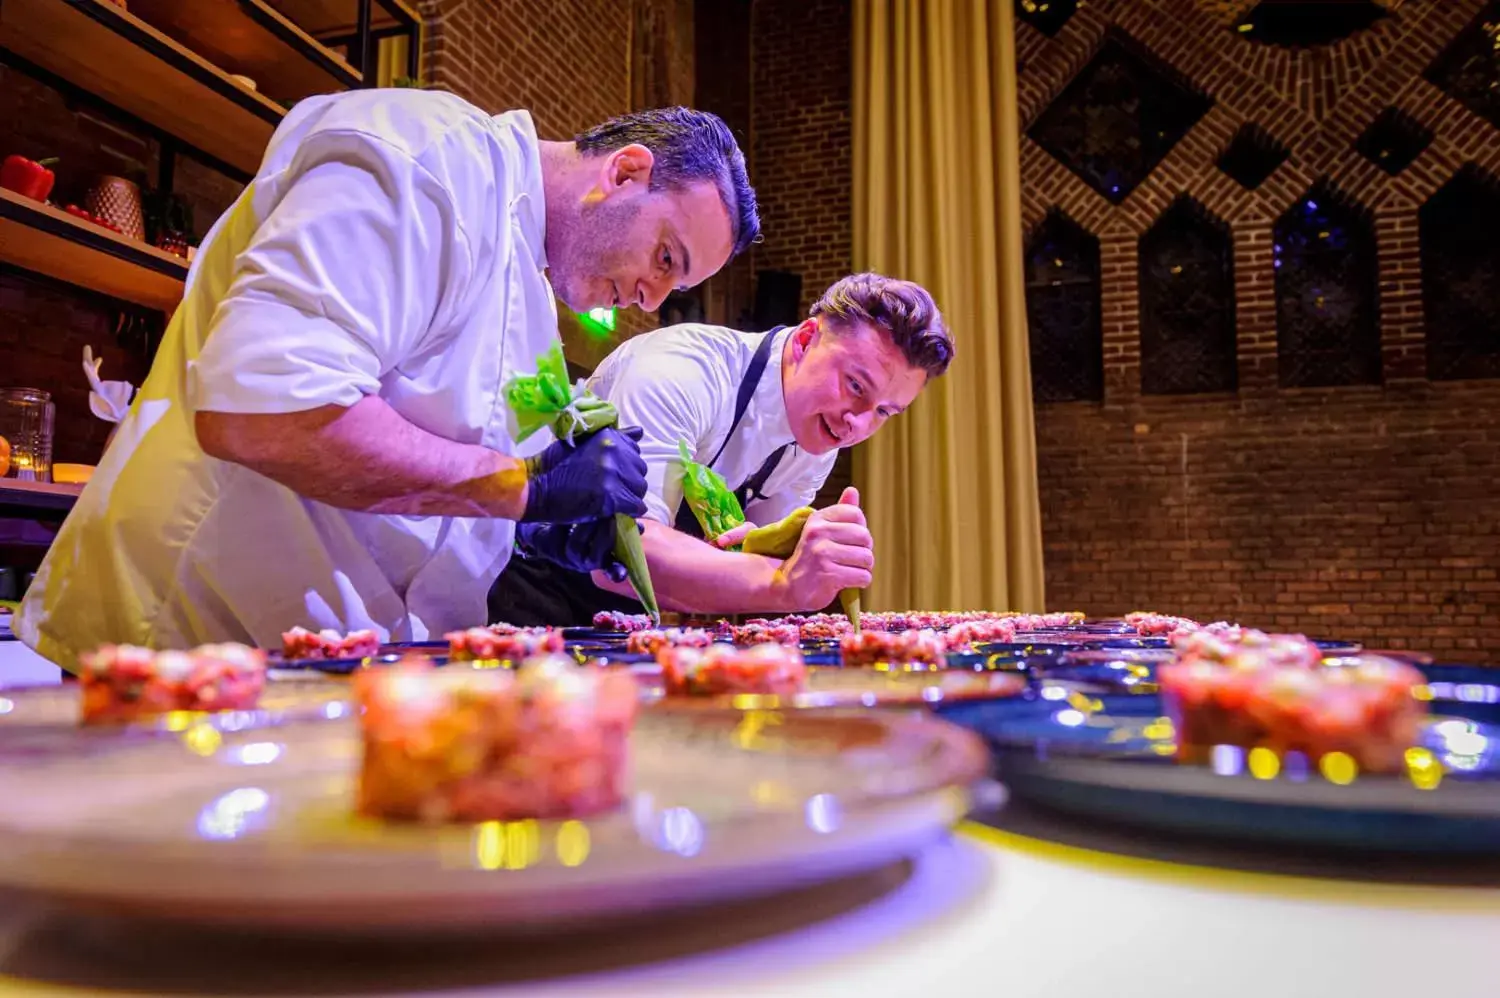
(902, 310)
(689, 147)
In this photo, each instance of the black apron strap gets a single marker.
(751, 490)
(749, 382)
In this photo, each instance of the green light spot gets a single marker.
(598, 322)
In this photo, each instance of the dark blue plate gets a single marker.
(1026, 649)
(592, 634)
(1136, 642)
(1110, 757)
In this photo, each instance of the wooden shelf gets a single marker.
(252, 38)
(50, 241)
(340, 18)
(19, 497)
(123, 60)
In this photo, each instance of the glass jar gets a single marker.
(26, 423)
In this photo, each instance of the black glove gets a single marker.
(599, 476)
(581, 547)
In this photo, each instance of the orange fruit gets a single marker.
(4, 457)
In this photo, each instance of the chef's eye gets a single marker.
(666, 260)
(855, 387)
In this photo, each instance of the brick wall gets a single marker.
(1363, 512)
(572, 64)
(801, 65)
(801, 150)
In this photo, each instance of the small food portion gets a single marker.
(766, 633)
(772, 669)
(123, 683)
(974, 632)
(1272, 691)
(906, 647)
(1159, 624)
(300, 643)
(1047, 621)
(650, 641)
(626, 623)
(549, 740)
(1246, 648)
(502, 641)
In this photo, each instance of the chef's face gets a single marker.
(841, 385)
(630, 245)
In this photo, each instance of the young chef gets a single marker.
(322, 438)
(768, 412)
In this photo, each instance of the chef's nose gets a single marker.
(652, 293)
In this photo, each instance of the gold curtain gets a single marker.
(950, 487)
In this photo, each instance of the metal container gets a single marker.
(26, 416)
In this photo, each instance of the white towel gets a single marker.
(109, 400)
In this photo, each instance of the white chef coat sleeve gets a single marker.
(799, 492)
(353, 270)
(670, 397)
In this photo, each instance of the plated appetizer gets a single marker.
(773, 669)
(123, 683)
(648, 642)
(906, 647)
(1273, 691)
(300, 643)
(503, 641)
(549, 740)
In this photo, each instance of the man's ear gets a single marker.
(627, 165)
(803, 337)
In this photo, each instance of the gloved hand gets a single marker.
(581, 547)
(599, 476)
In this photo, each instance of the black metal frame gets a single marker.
(317, 55)
(361, 42)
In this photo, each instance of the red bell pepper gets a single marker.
(27, 178)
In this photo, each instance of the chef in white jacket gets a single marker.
(322, 440)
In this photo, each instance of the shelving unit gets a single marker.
(54, 243)
(164, 69)
(252, 38)
(118, 57)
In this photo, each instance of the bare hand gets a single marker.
(836, 552)
(733, 536)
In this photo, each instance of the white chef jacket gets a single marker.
(681, 382)
(391, 244)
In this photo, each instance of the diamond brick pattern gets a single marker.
(1119, 117)
(1468, 70)
(1252, 156)
(1394, 140)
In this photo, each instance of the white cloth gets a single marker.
(681, 382)
(109, 400)
(391, 244)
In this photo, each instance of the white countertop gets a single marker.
(985, 913)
